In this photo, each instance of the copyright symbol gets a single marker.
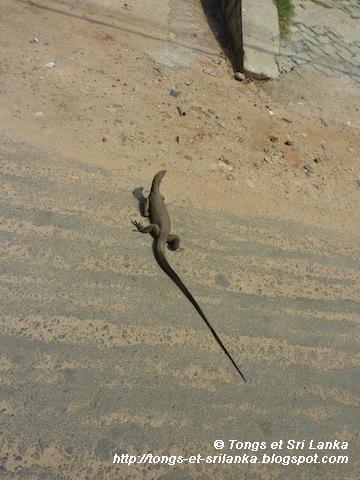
(218, 444)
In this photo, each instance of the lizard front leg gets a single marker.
(146, 207)
(152, 228)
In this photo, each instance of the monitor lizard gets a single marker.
(160, 228)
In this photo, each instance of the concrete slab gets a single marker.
(261, 38)
(176, 33)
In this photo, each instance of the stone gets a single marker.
(239, 76)
(288, 140)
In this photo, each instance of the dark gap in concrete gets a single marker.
(219, 24)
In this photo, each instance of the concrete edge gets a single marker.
(261, 38)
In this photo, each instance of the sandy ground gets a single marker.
(99, 351)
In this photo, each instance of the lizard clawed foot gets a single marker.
(139, 226)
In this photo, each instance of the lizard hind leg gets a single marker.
(173, 242)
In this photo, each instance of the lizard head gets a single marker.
(161, 174)
(158, 177)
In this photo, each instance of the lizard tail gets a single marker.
(164, 265)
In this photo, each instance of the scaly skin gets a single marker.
(160, 228)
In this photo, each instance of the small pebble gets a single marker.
(288, 140)
(225, 164)
(211, 72)
(181, 112)
(175, 93)
(308, 169)
(239, 76)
